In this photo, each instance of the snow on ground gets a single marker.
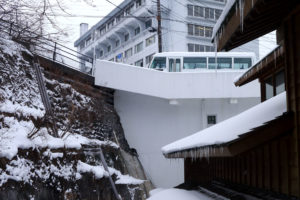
(231, 128)
(177, 194)
(14, 136)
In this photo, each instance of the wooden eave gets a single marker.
(257, 136)
(259, 18)
(273, 61)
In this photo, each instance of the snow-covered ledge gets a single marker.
(172, 85)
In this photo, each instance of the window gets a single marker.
(128, 53)
(148, 23)
(109, 48)
(119, 57)
(190, 47)
(138, 3)
(200, 48)
(137, 31)
(102, 30)
(199, 31)
(218, 13)
(101, 53)
(117, 43)
(211, 13)
(150, 40)
(222, 63)
(159, 63)
(208, 32)
(88, 41)
(126, 37)
(149, 58)
(242, 63)
(274, 85)
(190, 10)
(82, 45)
(269, 88)
(211, 119)
(139, 63)
(197, 11)
(279, 82)
(110, 24)
(194, 63)
(190, 29)
(207, 13)
(138, 47)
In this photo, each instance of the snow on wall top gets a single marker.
(226, 9)
(231, 128)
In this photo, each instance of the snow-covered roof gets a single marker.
(232, 128)
(226, 10)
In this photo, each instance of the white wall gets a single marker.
(150, 123)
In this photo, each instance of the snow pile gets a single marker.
(14, 136)
(231, 128)
(178, 194)
(100, 172)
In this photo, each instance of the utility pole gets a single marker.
(158, 17)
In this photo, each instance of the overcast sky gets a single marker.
(91, 11)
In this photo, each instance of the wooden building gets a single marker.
(265, 156)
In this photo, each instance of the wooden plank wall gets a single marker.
(266, 167)
(291, 29)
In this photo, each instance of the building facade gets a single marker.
(129, 35)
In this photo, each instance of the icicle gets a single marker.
(274, 54)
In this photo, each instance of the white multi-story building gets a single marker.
(129, 33)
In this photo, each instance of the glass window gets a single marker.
(197, 11)
(139, 63)
(148, 23)
(174, 65)
(149, 58)
(242, 63)
(201, 31)
(218, 13)
(208, 32)
(211, 119)
(212, 63)
(138, 3)
(190, 47)
(119, 57)
(190, 29)
(159, 63)
(109, 48)
(197, 47)
(117, 43)
(197, 30)
(211, 13)
(224, 63)
(128, 53)
(202, 48)
(194, 63)
(206, 12)
(207, 49)
(138, 47)
(150, 40)
(137, 31)
(190, 10)
(126, 37)
(279, 80)
(201, 12)
(269, 88)
(101, 54)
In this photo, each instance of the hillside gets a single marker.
(36, 165)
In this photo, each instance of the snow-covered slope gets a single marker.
(34, 164)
